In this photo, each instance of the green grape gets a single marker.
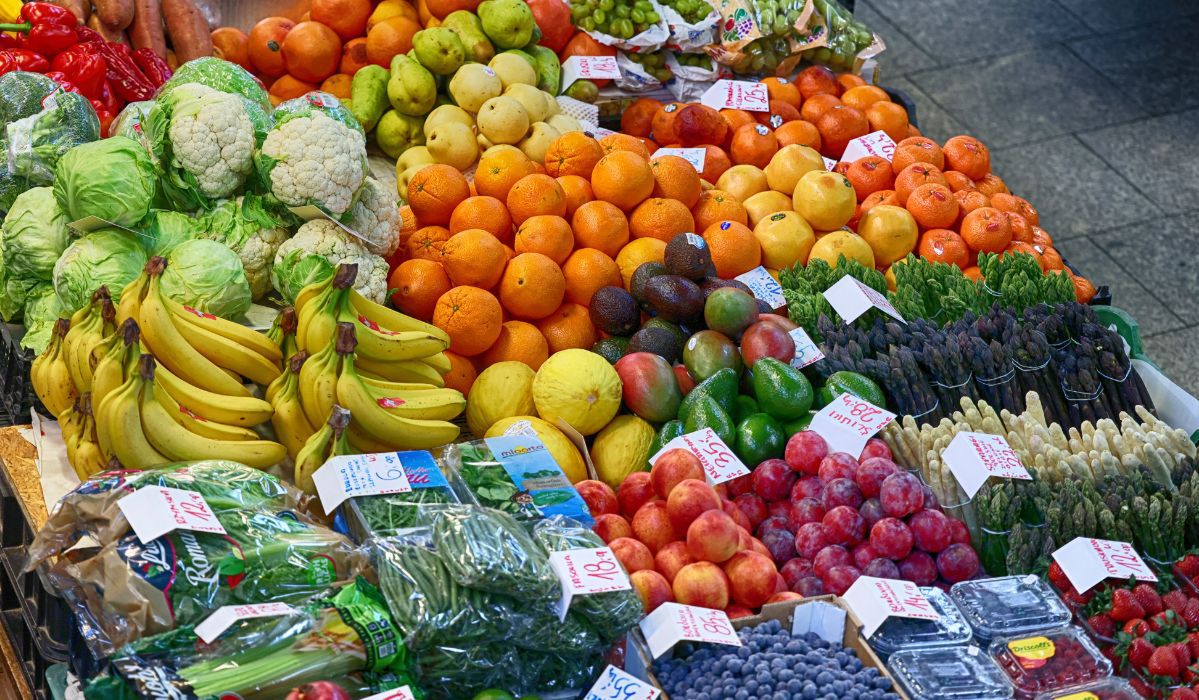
(638, 16)
(587, 24)
(623, 11)
(652, 17)
(600, 16)
(578, 12)
(605, 5)
(822, 55)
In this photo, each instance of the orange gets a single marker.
(735, 118)
(265, 45)
(1026, 249)
(968, 201)
(498, 172)
(1021, 230)
(991, 185)
(1016, 205)
(539, 168)
(816, 106)
(780, 112)
(718, 205)
(390, 37)
(799, 132)
(716, 161)
(233, 45)
(408, 223)
(1084, 291)
(933, 206)
(520, 342)
(660, 218)
(869, 175)
(849, 80)
(973, 273)
(535, 195)
(568, 327)
(602, 226)
(622, 178)
(915, 175)
(734, 248)
(588, 270)
(958, 182)
(546, 234)
(889, 118)
(986, 230)
(474, 257)
(387, 10)
(913, 131)
(532, 287)
(573, 153)
(439, 9)
(838, 126)
(635, 254)
(624, 142)
(338, 85)
(578, 192)
(462, 373)
(418, 284)
(471, 317)
(1040, 237)
(753, 144)
(353, 56)
(917, 149)
(863, 96)
(968, 155)
(784, 90)
(482, 212)
(1050, 256)
(675, 178)
(286, 88)
(346, 17)
(638, 118)
(942, 245)
(876, 198)
(428, 242)
(816, 80)
(311, 51)
(435, 191)
(663, 123)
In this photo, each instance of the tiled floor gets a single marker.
(1091, 110)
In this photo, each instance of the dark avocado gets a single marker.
(674, 298)
(657, 340)
(711, 284)
(688, 255)
(614, 311)
(612, 348)
(679, 336)
(643, 274)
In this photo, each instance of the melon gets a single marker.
(502, 390)
(621, 448)
(579, 387)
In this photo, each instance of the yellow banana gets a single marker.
(439, 362)
(380, 425)
(162, 337)
(428, 404)
(71, 424)
(403, 371)
(113, 368)
(226, 353)
(291, 425)
(273, 388)
(131, 299)
(197, 424)
(329, 441)
(365, 443)
(391, 319)
(384, 385)
(318, 322)
(89, 460)
(283, 332)
(244, 411)
(318, 384)
(308, 293)
(235, 332)
(82, 333)
(53, 384)
(119, 422)
(387, 345)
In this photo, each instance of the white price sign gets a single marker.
(401, 693)
(215, 624)
(763, 286)
(850, 299)
(672, 623)
(847, 422)
(876, 143)
(975, 457)
(578, 68)
(719, 462)
(153, 511)
(829, 163)
(806, 349)
(695, 156)
(737, 94)
(615, 684)
(347, 476)
(1087, 561)
(586, 572)
(873, 600)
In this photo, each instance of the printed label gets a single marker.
(215, 624)
(806, 349)
(401, 693)
(321, 99)
(578, 68)
(586, 572)
(347, 476)
(197, 312)
(847, 422)
(694, 156)
(737, 94)
(1033, 652)
(874, 600)
(542, 488)
(672, 623)
(390, 402)
(829, 163)
(1087, 561)
(975, 457)
(375, 327)
(51, 101)
(719, 462)
(876, 143)
(153, 511)
(763, 286)
(850, 299)
(521, 427)
(615, 684)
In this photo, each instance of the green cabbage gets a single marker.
(165, 230)
(298, 269)
(34, 235)
(220, 75)
(42, 309)
(113, 179)
(208, 276)
(107, 256)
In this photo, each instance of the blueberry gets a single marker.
(824, 678)
(751, 685)
(882, 683)
(743, 652)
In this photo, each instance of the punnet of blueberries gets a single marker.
(771, 664)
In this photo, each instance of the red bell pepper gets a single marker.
(48, 29)
(87, 35)
(63, 82)
(7, 63)
(48, 13)
(24, 59)
(83, 67)
(8, 41)
(109, 97)
(152, 65)
(104, 114)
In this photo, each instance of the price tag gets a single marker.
(850, 299)
(672, 623)
(321, 99)
(401, 693)
(153, 511)
(806, 349)
(90, 223)
(347, 476)
(1088, 561)
(311, 212)
(694, 156)
(737, 94)
(847, 422)
(589, 68)
(615, 684)
(873, 600)
(762, 285)
(585, 572)
(215, 624)
(876, 143)
(719, 462)
(975, 457)
(51, 101)
(829, 163)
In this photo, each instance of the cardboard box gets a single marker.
(639, 663)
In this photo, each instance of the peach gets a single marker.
(735, 611)
(671, 558)
(633, 555)
(737, 515)
(609, 527)
(688, 499)
(713, 537)
(752, 578)
(784, 596)
(600, 497)
(703, 584)
(744, 539)
(634, 492)
(672, 467)
(651, 525)
(653, 589)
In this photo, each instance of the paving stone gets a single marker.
(1175, 353)
(902, 55)
(933, 121)
(1159, 253)
(1106, 16)
(1159, 156)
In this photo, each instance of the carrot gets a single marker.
(146, 30)
(188, 29)
(115, 14)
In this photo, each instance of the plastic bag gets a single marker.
(313, 103)
(765, 36)
(36, 142)
(635, 76)
(847, 43)
(458, 672)
(488, 550)
(691, 77)
(21, 94)
(691, 35)
(652, 39)
(394, 513)
(549, 673)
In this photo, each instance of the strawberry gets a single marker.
(1058, 578)
(1183, 653)
(1183, 694)
(1188, 565)
(1139, 652)
(1164, 618)
(1164, 662)
(1125, 606)
(1193, 644)
(1190, 614)
(1137, 627)
(1176, 601)
(1102, 625)
(1147, 596)
(1075, 600)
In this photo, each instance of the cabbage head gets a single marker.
(254, 231)
(219, 75)
(34, 235)
(207, 276)
(113, 179)
(164, 230)
(42, 309)
(107, 256)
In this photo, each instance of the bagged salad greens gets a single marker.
(391, 514)
(485, 549)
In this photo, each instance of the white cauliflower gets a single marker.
(253, 232)
(376, 217)
(212, 138)
(315, 160)
(257, 254)
(315, 252)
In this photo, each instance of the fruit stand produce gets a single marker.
(493, 350)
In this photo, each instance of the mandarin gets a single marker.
(1026, 249)
(869, 175)
(623, 178)
(474, 257)
(518, 342)
(817, 80)
(958, 181)
(1021, 229)
(849, 80)
(602, 226)
(482, 212)
(933, 206)
(838, 126)
(986, 230)
(968, 201)
(532, 286)
(353, 56)
(434, 191)
(572, 153)
(1084, 291)
(917, 149)
(991, 185)
(535, 195)
(1004, 201)
(418, 284)
(735, 118)
(471, 317)
(547, 234)
(876, 198)
(968, 155)
(815, 106)
(588, 270)
(943, 245)
(888, 117)
(569, 326)
(863, 96)
(801, 132)
(915, 175)
(784, 90)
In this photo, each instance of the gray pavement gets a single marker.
(1091, 111)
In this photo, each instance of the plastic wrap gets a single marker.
(693, 76)
(394, 513)
(652, 38)
(638, 75)
(549, 673)
(129, 120)
(458, 672)
(311, 104)
(488, 550)
(219, 75)
(36, 142)
(689, 31)
(21, 94)
(848, 43)
(765, 36)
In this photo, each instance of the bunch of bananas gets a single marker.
(79, 433)
(64, 371)
(328, 442)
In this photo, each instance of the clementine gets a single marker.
(968, 155)
(435, 191)
(986, 230)
(943, 245)
(933, 206)
(869, 175)
(547, 234)
(471, 317)
(915, 175)
(535, 195)
(838, 126)
(917, 149)
(518, 342)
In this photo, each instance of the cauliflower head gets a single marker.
(254, 232)
(315, 160)
(212, 138)
(314, 253)
(257, 254)
(376, 217)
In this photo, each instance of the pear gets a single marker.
(484, 144)
(398, 132)
(562, 122)
(500, 148)
(551, 104)
(453, 144)
(470, 31)
(473, 85)
(503, 120)
(530, 98)
(513, 69)
(439, 49)
(448, 113)
(508, 23)
(541, 135)
(411, 88)
(416, 155)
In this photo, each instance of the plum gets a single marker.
(919, 568)
(901, 494)
(781, 546)
(808, 586)
(871, 474)
(931, 530)
(794, 570)
(957, 562)
(804, 451)
(810, 539)
(891, 538)
(844, 525)
(807, 487)
(773, 479)
(754, 508)
(807, 510)
(875, 448)
(958, 532)
(841, 492)
(838, 465)
(830, 556)
(840, 578)
(872, 511)
(863, 554)
(774, 522)
(740, 485)
(881, 568)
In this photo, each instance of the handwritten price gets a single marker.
(615, 684)
(1121, 560)
(716, 623)
(602, 568)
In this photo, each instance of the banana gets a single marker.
(88, 460)
(195, 423)
(243, 411)
(290, 367)
(380, 425)
(179, 443)
(403, 371)
(291, 425)
(308, 293)
(385, 345)
(318, 322)
(71, 425)
(53, 384)
(119, 422)
(329, 441)
(427, 404)
(235, 332)
(384, 385)
(165, 342)
(364, 443)
(393, 320)
(226, 353)
(318, 384)
(283, 332)
(83, 333)
(113, 368)
(439, 362)
(131, 298)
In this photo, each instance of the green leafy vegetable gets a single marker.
(113, 179)
(208, 276)
(105, 257)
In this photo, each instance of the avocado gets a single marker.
(674, 298)
(614, 311)
(643, 274)
(674, 329)
(612, 348)
(657, 340)
(722, 386)
(688, 255)
(670, 430)
(711, 283)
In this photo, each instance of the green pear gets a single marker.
(503, 120)
(530, 98)
(473, 85)
(411, 88)
(541, 136)
(439, 49)
(398, 132)
(564, 123)
(414, 156)
(470, 31)
(508, 23)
